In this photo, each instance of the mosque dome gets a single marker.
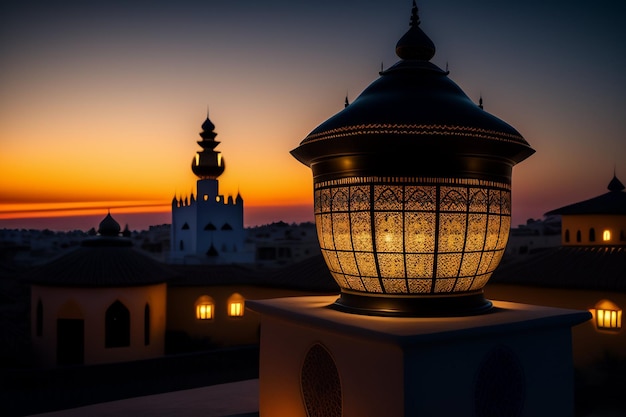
(109, 226)
(413, 104)
(208, 163)
(107, 260)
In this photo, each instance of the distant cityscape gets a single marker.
(274, 244)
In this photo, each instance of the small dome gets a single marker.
(109, 227)
(208, 126)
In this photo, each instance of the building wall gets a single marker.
(90, 304)
(572, 225)
(222, 330)
(590, 344)
(190, 239)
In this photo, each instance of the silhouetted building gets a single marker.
(207, 228)
(586, 271)
(102, 302)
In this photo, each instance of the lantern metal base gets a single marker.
(432, 305)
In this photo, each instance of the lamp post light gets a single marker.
(412, 191)
(412, 203)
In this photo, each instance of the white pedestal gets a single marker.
(513, 361)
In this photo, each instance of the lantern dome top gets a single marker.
(414, 103)
(415, 44)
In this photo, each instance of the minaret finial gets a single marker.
(346, 103)
(480, 101)
(207, 111)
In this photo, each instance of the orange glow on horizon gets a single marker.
(37, 210)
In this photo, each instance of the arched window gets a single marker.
(182, 245)
(578, 236)
(592, 235)
(146, 325)
(606, 235)
(622, 236)
(117, 326)
(39, 319)
(205, 308)
(236, 305)
(566, 235)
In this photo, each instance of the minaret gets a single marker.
(207, 228)
(208, 164)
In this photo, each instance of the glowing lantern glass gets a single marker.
(412, 191)
(608, 316)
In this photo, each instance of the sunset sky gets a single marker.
(101, 103)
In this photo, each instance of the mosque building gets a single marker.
(207, 228)
(103, 302)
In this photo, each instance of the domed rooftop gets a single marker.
(413, 104)
(107, 260)
(208, 163)
(613, 202)
(109, 226)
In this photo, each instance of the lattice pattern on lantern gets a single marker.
(412, 235)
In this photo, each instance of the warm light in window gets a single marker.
(606, 235)
(607, 315)
(204, 311)
(235, 309)
(205, 308)
(205, 197)
(217, 199)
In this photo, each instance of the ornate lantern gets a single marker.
(412, 191)
(607, 316)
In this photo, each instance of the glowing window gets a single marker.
(205, 308)
(235, 305)
(606, 235)
(607, 316)
(235, 309)
(217, 199)
(205, 197)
